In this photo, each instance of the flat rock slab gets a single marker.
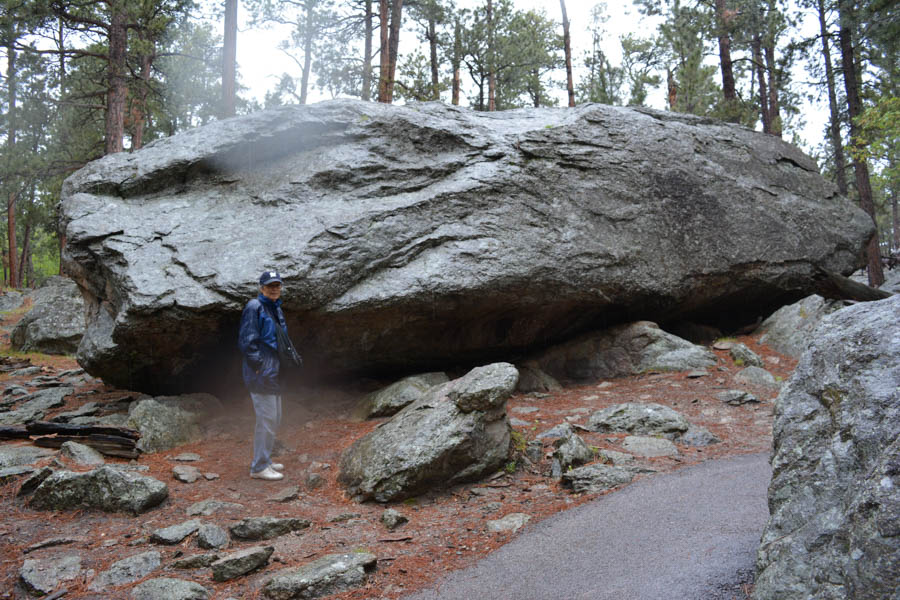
(211, 507)
(126, 570)
(265, 528)
(328, 575)
(42, 576)
(35, 406)
(757, 376)
(168, 588)
(637, 418)
(595, 478)
(106, 488)
(240, 563)
(665, 520)
(737, 397)
(649, 446)
(175, 533)
(186, 473)
(511, 523)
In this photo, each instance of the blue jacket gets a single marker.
(259, 346)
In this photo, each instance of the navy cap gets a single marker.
(269, 277)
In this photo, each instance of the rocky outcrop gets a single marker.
(789, 329)
(834, 499)
(623, 350)
(422, 235)
(457, 433)
(55, 323)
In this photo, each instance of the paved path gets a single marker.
(675, 536)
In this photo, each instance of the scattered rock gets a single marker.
(126, 570)
(642, 419)
(167, 588)
(388, 401)
(789, 329)
(286, 495)
(175, 533)
(81, 454)
(649, 446)
(187, 457)
(457, 433)
(742, 355)
(737, 397)
(756, 376)
(106, 488)
(266, 528)
(314, 481)
(18, 456)
(14, 391)
(615, 458)
(55, 323)
(212, 537)
(186, 473)
(9, 474)
(596, 478)
(240, 563)
(510, 523)
(170, 421)
(698, 437)
(198, 561)
(89, 409)
(42, 576)
(392, 519)
(52, 542)
(834, 499)
(34, 480)
(210, 507)
(697, 374)
(533, 379)
(35, 406)
(557, 431)
(330, 574)
(572, 451)
(11, 300)
(723, 345)
(534, 450)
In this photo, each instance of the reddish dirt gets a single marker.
(446, 529)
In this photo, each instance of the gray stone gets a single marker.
(55, 323)
(623, 350)
(533, 379)
(14, 391)
(314, 481)
(266, 528)
(330, 574)
(641, 419)
(534, 450)
(834, 499)
(572, 451)
(392, 519)
(596, 478)
(11, 300)
(756, 376)
(197, 561)
(457, 433)
(27, 371)
(167, 588)
(511, 523)
(514, 422)
(186, 473)
(175, 533)
(187, 457)
(742, 355)
(212, 537)
(42, 576)
(649, 446)
(238, 564)
(169, 421)
(471, 238)
(388, 401)
(697, 437)
(36, 478)
(737, 397)
(35, 406)
(788, 329)
(9, 474)
(126, 570)
(81, 454)
(106, 488)
(26, 455)
(615, 458)
(286, 495)
(86, 410)
(557, 431)
(210, 507)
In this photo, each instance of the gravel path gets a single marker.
(687, 535)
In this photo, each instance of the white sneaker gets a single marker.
(268, 474)
(277, 466)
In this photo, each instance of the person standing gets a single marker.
(257, 341)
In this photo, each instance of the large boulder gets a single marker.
(107, 488)
(789, 329)
(457, 433)
(55, 323)
(166, 422)
(422, 235)
(834, 499)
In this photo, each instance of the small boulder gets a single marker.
(649, 446)
(789, 329)
(572, 451)
(240, 563)
(175, 533)
(697, 437)
(40, 577)
(742, 355)
(167, 588)
(390, 400)
(81, 454)
(186, 473)
(126, 570)
(596, 478)
(169, 421)
(511, 523)
(756, 376)
(266, 528)
(392, 519)
(197, 561)
(36, 405)
(19, 456)
(106, 488)
(212, 537)
(330, 574)
(533, 379)
(55, 324)
(737, 397)
(286, 495)
(210, 507)
(641, 419)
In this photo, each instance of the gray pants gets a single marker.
(268, 419)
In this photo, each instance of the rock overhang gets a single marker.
(414, 236)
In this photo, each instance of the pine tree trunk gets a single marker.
(384, 62)
(895, 214)
(433, 47)
(492, 83)
(774, 111)
(307, 52)
(116, 95)
(23, 259)
(763, 89)
(229, 59)
(396, 19)
(725, 63)
(367, 56)
(12, 118)
(567, 46)
(457, 60)
(834, 129)
(140, 112)
(860, 168)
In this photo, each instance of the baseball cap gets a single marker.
(269, 277)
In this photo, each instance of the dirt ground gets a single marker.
(446, 528)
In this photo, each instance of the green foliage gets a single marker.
(518, 441)
(510, 467)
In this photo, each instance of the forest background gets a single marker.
(83, 78)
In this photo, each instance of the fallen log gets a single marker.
(834, 286)
(13, 432)
(109, 445)
(49, 428)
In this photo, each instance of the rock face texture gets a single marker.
(424, 235)
(457, 433)
(55, 323)
(834, 530)
(789, 329)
